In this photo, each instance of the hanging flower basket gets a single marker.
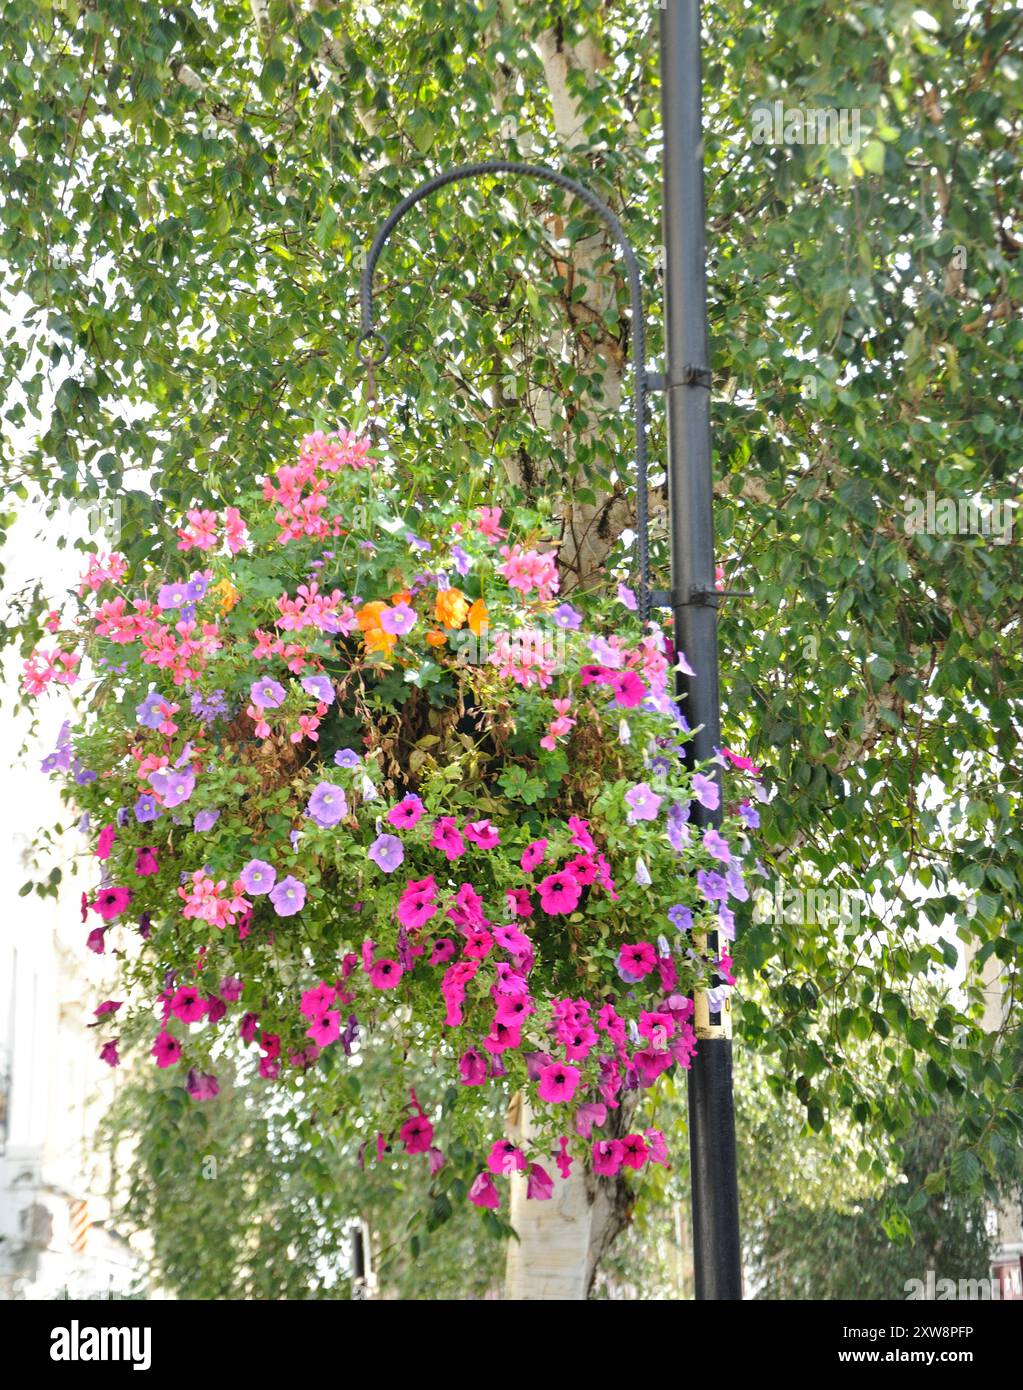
(346, 767)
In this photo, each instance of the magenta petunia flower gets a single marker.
(258, 877)
(111, 902)
(634, 1151)
(109, 1006)
(266, 693)
(288, 897)
(559, 893)
(387, 852)
(506, 1158)
(472, 1066)
(558, 1082)
(325, 1029)
(406, 813)
(447, 838)
(482, 834)
(385, 974)
(202, 1085)
(231, 989)
(539, 1185)
(166, 1049)
(443, 949)
(316, 1002)
(145, 861)
(607, 1157)
(532, 856)
(108, 1054)
(328, 805)
(637, 961)
(483, 1193)
(188, 1004)
(416, 1134)
(105, 843)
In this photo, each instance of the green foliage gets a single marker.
(241, 1198)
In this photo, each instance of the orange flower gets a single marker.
(228, 595)
(368, 616)
(402, 596)
(377, 640)
(435, 637)
(451, 608)
(479, 619)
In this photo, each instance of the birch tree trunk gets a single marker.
(561, 1241)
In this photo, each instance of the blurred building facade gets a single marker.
(56, 1234)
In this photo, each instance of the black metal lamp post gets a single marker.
(693, 598)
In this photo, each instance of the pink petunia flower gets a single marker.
(558, 1082)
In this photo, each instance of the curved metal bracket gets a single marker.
(587, 196)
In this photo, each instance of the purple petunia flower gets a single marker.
(288, 897)
(461, 560)
(387, 852)
(320, 688)
(174, 787)
(82, 775)
(206, 820)
(565, 616)
(197, 586)
(627, 597)
(398, 620)
(346, 757)
(705, 789)
(266, 693)
(327, 805)
(643, 803)
(148, 713)
(173, 595)
(680, 917)
(258, 877)
(750, 815)
(716, 844)
(146, 808)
